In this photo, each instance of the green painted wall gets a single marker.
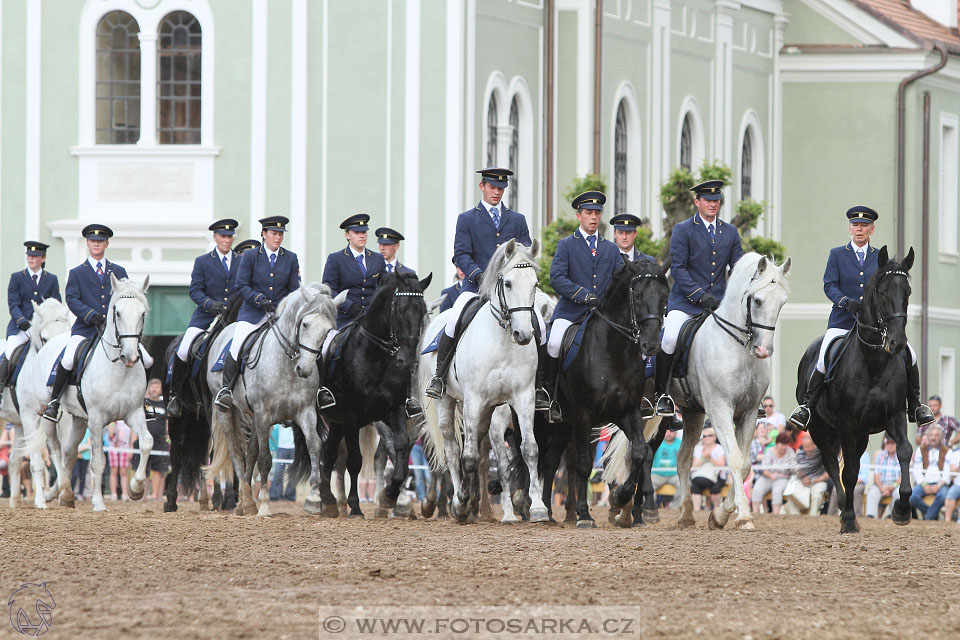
(808, 27)
(566, 104)
(12, 135)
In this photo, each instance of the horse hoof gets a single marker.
(651, 516)
(746, 525)
(264, 511)
(355, 514)
(134, 493)
(570, 517)
(381, 513)
(68, 503)
(901, 512)
(586, 524)
(42, 505)
(624, 520)
(539, 514)
(639, 523)
(612, 515)
(170, 507)
(342, 509)
(713, 523)
(427, 509)
(330, 511)
(312, 507)
(849, 526)
(204, 506)
(251, 509)
(685, 522)
(509, 520)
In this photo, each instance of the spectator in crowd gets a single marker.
(759, 443)
(953, 493)
(706, 472)
(949, 424)
(284, 452)
(813, 477)
(665, 462)
(78, 480)
(928, 476)
(774, 420)
(778, 462)
(421, 476)
(886, 478)
(6, 449)
(118, 434)
(157, 465)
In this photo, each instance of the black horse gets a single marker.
(605, 384)
(190, 433)
(372, 382)
(867, 390)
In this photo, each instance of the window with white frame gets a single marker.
(948, 183)
(746, 166)
(620, 160)
(178, 79)
(118, 79)
(492, 131)
(947, 380)
(686, 143)
(514, 154)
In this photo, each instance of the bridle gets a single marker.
(632, 333)
(116, 330)
(502, 312)
(882, 325)
(747, 332)
(391, 346)
(291, 348)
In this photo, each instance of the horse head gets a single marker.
(126, 316)
(510, 284)
(756, 292)
(314, 314)
(403, 321)
(50, 318)
(886, 297)
(637, 299)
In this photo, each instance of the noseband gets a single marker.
(747, 332)
(632, 333)
(504, 313)
(391, 346)
(120, 336)
(882, 325)
(290, 348)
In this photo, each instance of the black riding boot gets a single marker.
(180, 369)
(664, 366)
(224, 398)
(801, 415)
(916, 410)
(325, 398)
(4, 375)
(445, 353)
(542, 398)
(551, 372)
(52, 411)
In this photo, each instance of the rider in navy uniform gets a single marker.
(265, 277)
(88, 294)
(389, 242)
(452, 292)
(479, 232)
(702, 249)
(625, 227)
(212, 289)
(242, 247)
(581, 270)
(355, 269)
(33, 284)
(848, 270)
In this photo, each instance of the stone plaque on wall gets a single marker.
(145, 182)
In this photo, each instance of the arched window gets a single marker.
(514, 153)
(118, 79)
(746, 165)
(620, 160)
(492, 131)
(686, 144)
(178, 79)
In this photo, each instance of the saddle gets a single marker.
(198, 350)
(17, 358)
(835, 350)
(572, 339)
(681, 359)
(80, 360)
(336, 347)
(245, 349)
(470, 311)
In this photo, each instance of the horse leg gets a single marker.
(474, 412)
(523, 406)
(744, 436)
(692, 426)
(901, 508)
(307, 423)
(486, 514)
(429, 504)
(570, 458)
(401, 458)
(175, 435)
(339, 482)
(138, 422)
(15, 464)
(851, 469)
(261, 434)
(354, 465)
(380, 470)
(65, 465)
(203, 495)
(65, 430)
(825, 438)
(582, 432)
(451, 447)
(330, 453)
(499, 446)
(97, 462)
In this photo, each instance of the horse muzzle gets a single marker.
(522, 338)
(761, 352)
(302, 372)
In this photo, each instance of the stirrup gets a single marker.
(46, 413)
(795, 417)
(435, 388)
(542, 399)
(224, 399)
(327, 401)
(412, 408)
(928, 419)
(761, 413)
(669, 410)
(174, 409)
(647, 411)
(555, 414)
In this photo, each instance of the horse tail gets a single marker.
(616, 457)
(300, 469)
(221, 462)
(369, 439)
(193, 451)
(517, 470)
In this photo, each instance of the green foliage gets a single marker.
(715, 171)
(589, 182)
(552, 233)
(748, 214)
(766, 247)
(646, 244)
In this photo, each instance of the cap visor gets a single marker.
(499, 184)
(711, 196)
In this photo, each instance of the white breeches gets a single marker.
(462, 300)
(240, 333)
(15, 341)
(671, 329)
(183, 351)
(834, 332)
(557, 331)
(67, 361)
(327, 341)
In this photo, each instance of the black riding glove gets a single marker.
(476, 278)
(218, 308)
(851, 305)
(23, 325)
(591, 301)
(97, 320)
(709, 302)
(269, 307)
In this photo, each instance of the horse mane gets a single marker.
(322, 304)
(128, 288)
(623, 275)
(742, 279)
(388, 287)
(499, 263)
(868, 290)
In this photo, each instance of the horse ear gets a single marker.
(908, 261)
(113, 281)
(146, 284)
(308, 294)
(761, 265)
(883, 257)
(535, 248)
(341, 297)
(426, 281)
(785, 267)
(510, 248)
(36, 307)
(625, 259)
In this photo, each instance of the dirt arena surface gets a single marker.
(138, 572)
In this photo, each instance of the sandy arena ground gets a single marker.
(136, 571)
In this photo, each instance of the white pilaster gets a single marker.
(388, 123)
(324, 128)
(411, 136)
(776, 168)
(148, 87)
(659, 125)
(453, 126)
(298, 128)
(258, 116)
(32, 133)
(722, 116)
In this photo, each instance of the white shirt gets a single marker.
(102, 262)
(393, 265)
(488, 206)
(587, 235)
(952, 463)
(39, 273)
(269, 253)
(930, 475)
(357, 254)
(228, 256)
(864, 250)
(709, 224)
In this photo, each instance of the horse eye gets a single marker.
(508, 285)
(757, 303)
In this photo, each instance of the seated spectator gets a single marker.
(778, 463)
(759, 443)
(774, 421)
(812, 475)
(706, 472)
(119, 455)
(949, 424)
(886, 478)
(929, 477)
(953, 493)
(665, 463)
(285, 451)
(79, 478)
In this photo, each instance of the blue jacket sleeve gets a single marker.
(75, 304)
(559, 275)
(463, 251)
(120, 272)
(13, 300)
(331, 278)
(55, 294)
(737, 251)
(831, 280)
(680, 256)
(293, 282)
(244, 287)
(524, 237)
(198, 286)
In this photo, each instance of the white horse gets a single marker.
(51, 318)
(728, 374)
(113, 387)
(495, 363)
(279, 383)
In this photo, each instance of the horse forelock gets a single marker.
(321, 303)
(500, 264)
(891, 267)
(743, 282)
(128, 289)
